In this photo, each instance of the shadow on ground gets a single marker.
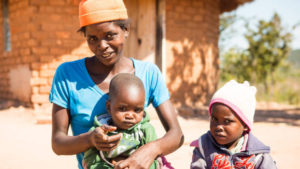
(6, 104)
(289, 116)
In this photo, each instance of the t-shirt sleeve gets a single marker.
(159, 90)
(59, 93)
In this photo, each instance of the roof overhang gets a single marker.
(229, 5)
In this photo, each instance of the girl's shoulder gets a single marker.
(199, 142)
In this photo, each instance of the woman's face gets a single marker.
(225, 126)
(106, 41)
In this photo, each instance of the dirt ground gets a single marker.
(26, 144)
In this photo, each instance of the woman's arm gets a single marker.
(172, 140)
(62, 144)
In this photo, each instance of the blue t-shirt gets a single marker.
(73, 89)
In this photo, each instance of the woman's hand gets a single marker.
(102, 141)
(62, 144)
(140, 159)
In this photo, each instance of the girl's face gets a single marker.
(106, 41)
(225, 126)
(127, 107)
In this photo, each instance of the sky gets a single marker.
(288, 10)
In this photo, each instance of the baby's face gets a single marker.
(127, 108)
(225, 126)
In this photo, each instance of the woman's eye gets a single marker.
(110, 36)
(92, 39)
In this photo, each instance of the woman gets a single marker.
(79, 89)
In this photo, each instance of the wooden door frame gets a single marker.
(160, 49)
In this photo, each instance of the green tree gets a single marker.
(269, 47)
(226, 30)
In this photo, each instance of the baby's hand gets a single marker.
(102, 141)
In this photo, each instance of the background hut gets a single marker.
(180, 36)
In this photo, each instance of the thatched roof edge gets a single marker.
(229, 5)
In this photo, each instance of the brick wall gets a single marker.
(43, 35)
(57, 40)
(19, 28)
(2, 71)
(192, 50)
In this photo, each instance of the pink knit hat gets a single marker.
(240, 97)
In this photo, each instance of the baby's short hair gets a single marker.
(122, 80)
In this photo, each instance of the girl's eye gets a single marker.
(228, 121)
(213, 119)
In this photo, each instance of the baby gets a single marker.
(125, 107)
(230, 143)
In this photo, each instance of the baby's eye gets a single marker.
(122, 108)
(138, 110)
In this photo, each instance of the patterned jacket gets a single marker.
(208, 154)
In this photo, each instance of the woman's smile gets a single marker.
(106, 54)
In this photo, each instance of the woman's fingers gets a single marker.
(107, 146)
(109, 140)
(103, 138)
(122, 165)
(101, 133)
(104, 142)
(107, 128)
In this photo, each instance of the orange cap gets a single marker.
(96, 11)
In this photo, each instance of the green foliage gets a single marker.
(225, 29)
(226, 20)
(294, 58)
(269, 46)
(234, 66)
(266, 63)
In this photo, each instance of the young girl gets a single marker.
(79, 89)
(229, 143)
